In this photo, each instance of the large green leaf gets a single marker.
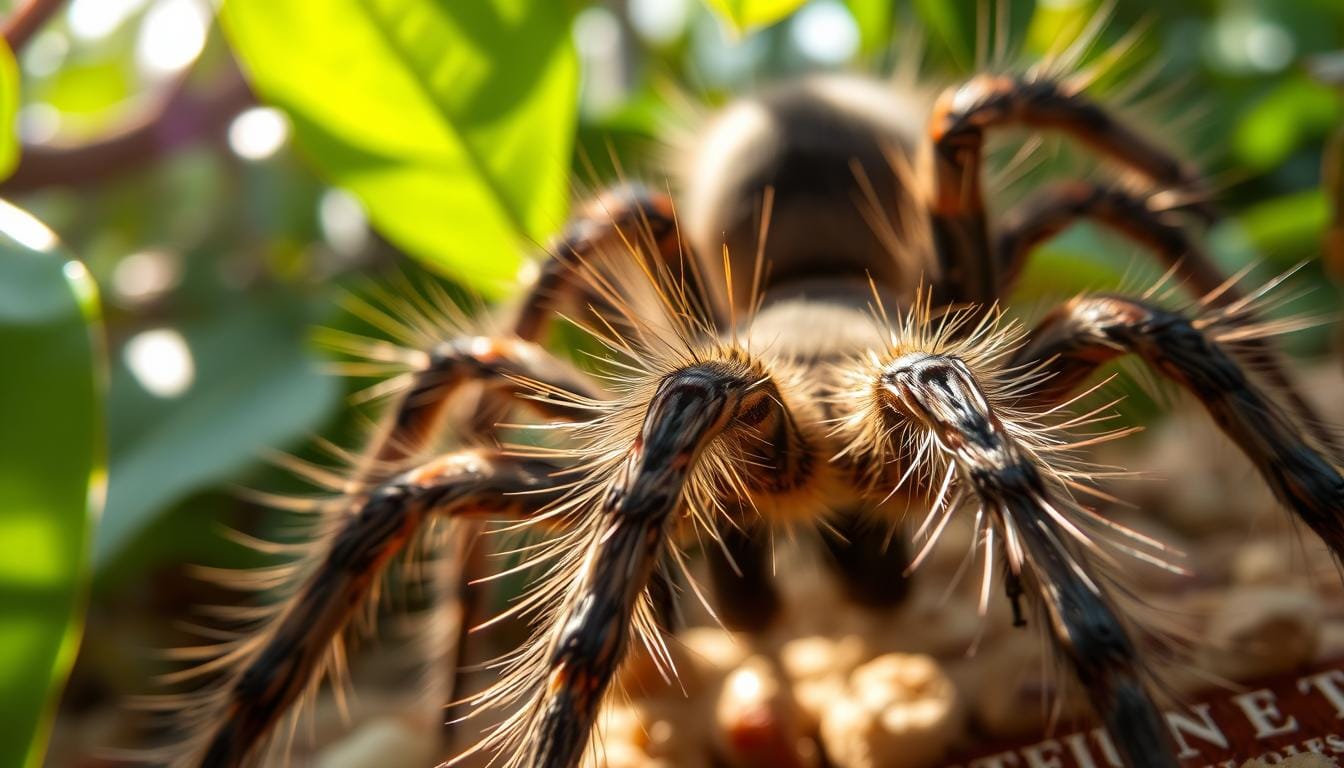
(9, 110)
(746, 15)
(51, 473)
(452, 121)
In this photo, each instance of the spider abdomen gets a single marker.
(834, 154)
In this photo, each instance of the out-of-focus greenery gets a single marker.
(51, 472)
(747, 15)
(461, 114)
(9, 107)
(451, 136)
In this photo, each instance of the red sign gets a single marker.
(1270, 720)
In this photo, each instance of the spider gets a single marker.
(810, 334)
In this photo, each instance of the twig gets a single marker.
(1329, 69)
(184, 117)
(24, 22)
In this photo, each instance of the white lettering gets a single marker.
(1037, 758)
(1078, 748)
(1205, 729)
(1327, 684)
(1261, 709)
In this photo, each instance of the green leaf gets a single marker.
(1295, 110)
(875, 21)
(9, 110)
(1054, 273)
(452, 121)
(51, 473)
(256, 386)
(746, 15)
(95, 90)
(1287, 229)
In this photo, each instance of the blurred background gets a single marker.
(208, 221)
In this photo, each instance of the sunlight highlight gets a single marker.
(96, 19)
(258, 133)
(171, 37)
(161, 362)
(659, 21)
(825, 32)
(145, 275)
(345, 225)
(25, 228)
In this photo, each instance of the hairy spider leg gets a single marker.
(623, 221)
(1143, 220)
(691, 408)
(942, 394)
(957, 128)
(1088, 331)
(272, 670)
(620, 220)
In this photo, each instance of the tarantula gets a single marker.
(811, 335)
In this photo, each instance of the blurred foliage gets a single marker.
(397, 135)
(457, 114)
(746, 15)
(254, 353)
(51, 473)
(9, 107)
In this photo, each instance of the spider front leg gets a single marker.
(1088, 331)
(621, 224)
(691, 409)
(273, 669)
(962, 117)
(1027, 511)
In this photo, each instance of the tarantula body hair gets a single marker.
(807, 332)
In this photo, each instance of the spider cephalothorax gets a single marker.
(806, 377)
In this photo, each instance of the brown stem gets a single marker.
(1332, 181)
(182, 118)
(20, 27)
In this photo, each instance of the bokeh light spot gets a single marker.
(161, 362)
(659, 21)
(145, 275)
(345, 225)
(96, 19)
(825, 32)
(171, 36)
(258, 133)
